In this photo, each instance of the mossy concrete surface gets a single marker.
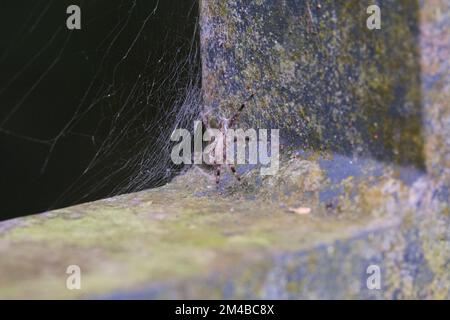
(189, 240)
(152, 239)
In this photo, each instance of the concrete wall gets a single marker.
(327, 81)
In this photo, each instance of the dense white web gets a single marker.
(138, 99)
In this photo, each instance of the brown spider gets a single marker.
(223, 124)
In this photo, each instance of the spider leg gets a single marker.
(217, 169)
(235, 174)
(235, 116)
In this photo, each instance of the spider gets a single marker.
(223, 124)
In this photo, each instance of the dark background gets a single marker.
(76, 106)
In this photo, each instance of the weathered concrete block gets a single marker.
(365, 121)
(185, 241)
(319, 74)
(328, 82)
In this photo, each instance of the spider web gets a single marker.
(141, 85)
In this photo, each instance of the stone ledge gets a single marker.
(175, 242)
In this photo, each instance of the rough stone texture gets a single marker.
(364, 118)
(318, 73)
(435, 66)
(184, 240)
